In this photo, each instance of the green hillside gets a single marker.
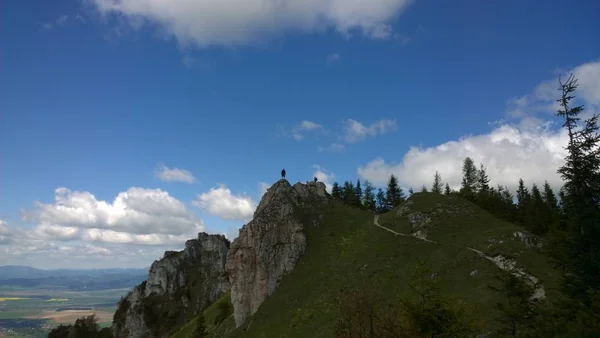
(348, 249)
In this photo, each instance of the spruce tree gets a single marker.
(382, 201)
(359, 193)
(553, 217)
(538, 212)
(447, 190)
(580, 256)
(482, 180)
(424, 188)
(437, 183)
(349, 193)
(336, 191)
(523, 200)
(369, 197)
(468, 186)
(394, 193)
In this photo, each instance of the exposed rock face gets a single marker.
(179, 285)
(269, 246)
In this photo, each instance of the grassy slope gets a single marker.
(306, 303)
(210, 314)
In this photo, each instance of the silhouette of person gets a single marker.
(283, 173)
(315, 179)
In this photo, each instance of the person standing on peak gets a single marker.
(283, 173)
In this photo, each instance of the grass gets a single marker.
(348, 246)
(210, 315)
(57, 300)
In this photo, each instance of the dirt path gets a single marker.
(500, 261)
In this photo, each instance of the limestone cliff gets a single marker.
(178, 287)
(269, 246)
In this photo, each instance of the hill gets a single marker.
(464, 246)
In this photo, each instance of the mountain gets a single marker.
(307, 261)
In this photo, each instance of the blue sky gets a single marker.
(188, 109)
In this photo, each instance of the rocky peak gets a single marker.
(269, 246)
(178, 286)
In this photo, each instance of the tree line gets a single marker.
(569, 221)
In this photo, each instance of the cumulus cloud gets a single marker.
(325, 176)
(138, 211)
(167, 174)
(263, 187)
(356, 131)
(530, 147)
(541, 102)
(222, 203)
(242, 22)
(508, 152)
(299, 131)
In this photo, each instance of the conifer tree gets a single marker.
(200, 331)
(538, 212)
(336, 191)
(382, 201)
(580, 256)
(553, 217)
(468, 186)
(349, 193)
(359, 193)
(424, 188)
(447, 190)
(523, 198)
(369, 197)
(394, 193)
(482, 180)
(437, 183)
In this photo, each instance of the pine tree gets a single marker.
(523, 200)
(437, 183)
(359, 193)
(394, 193)
(553, 218)
(538, 212)
(424, 188)
(349, 193)
(336, 191)
(579, 254)
(382, 201)
(369, 197)
(468, 186)
(482, 180)
(447, 190)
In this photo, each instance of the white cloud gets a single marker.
(304, 126)
(356, 131)
(46, 26)
(325, 176)
(263, 188)
(62, 19)
(333, 57)
(174, 175)
(334, 148)
(246, 22)
(221, 202)
(508, 152)
(138, 211)
(541, 102)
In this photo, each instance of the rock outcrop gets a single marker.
(270, 245)
(178, 287)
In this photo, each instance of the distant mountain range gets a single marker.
(71, 279)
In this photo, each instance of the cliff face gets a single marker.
(269, 246)
(179, 286)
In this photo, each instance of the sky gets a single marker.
(128, 126)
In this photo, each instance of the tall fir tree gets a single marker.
(424, 188)
(538, 212)
(369, 197)
(580, 254)
(394, 193)
(553, 218)
(336, 191)
(382, 201)
(483, 181)
(468, 186)
(349, 193)
(359, 193)
(447, 190)
(437, 186)
(523, 202)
